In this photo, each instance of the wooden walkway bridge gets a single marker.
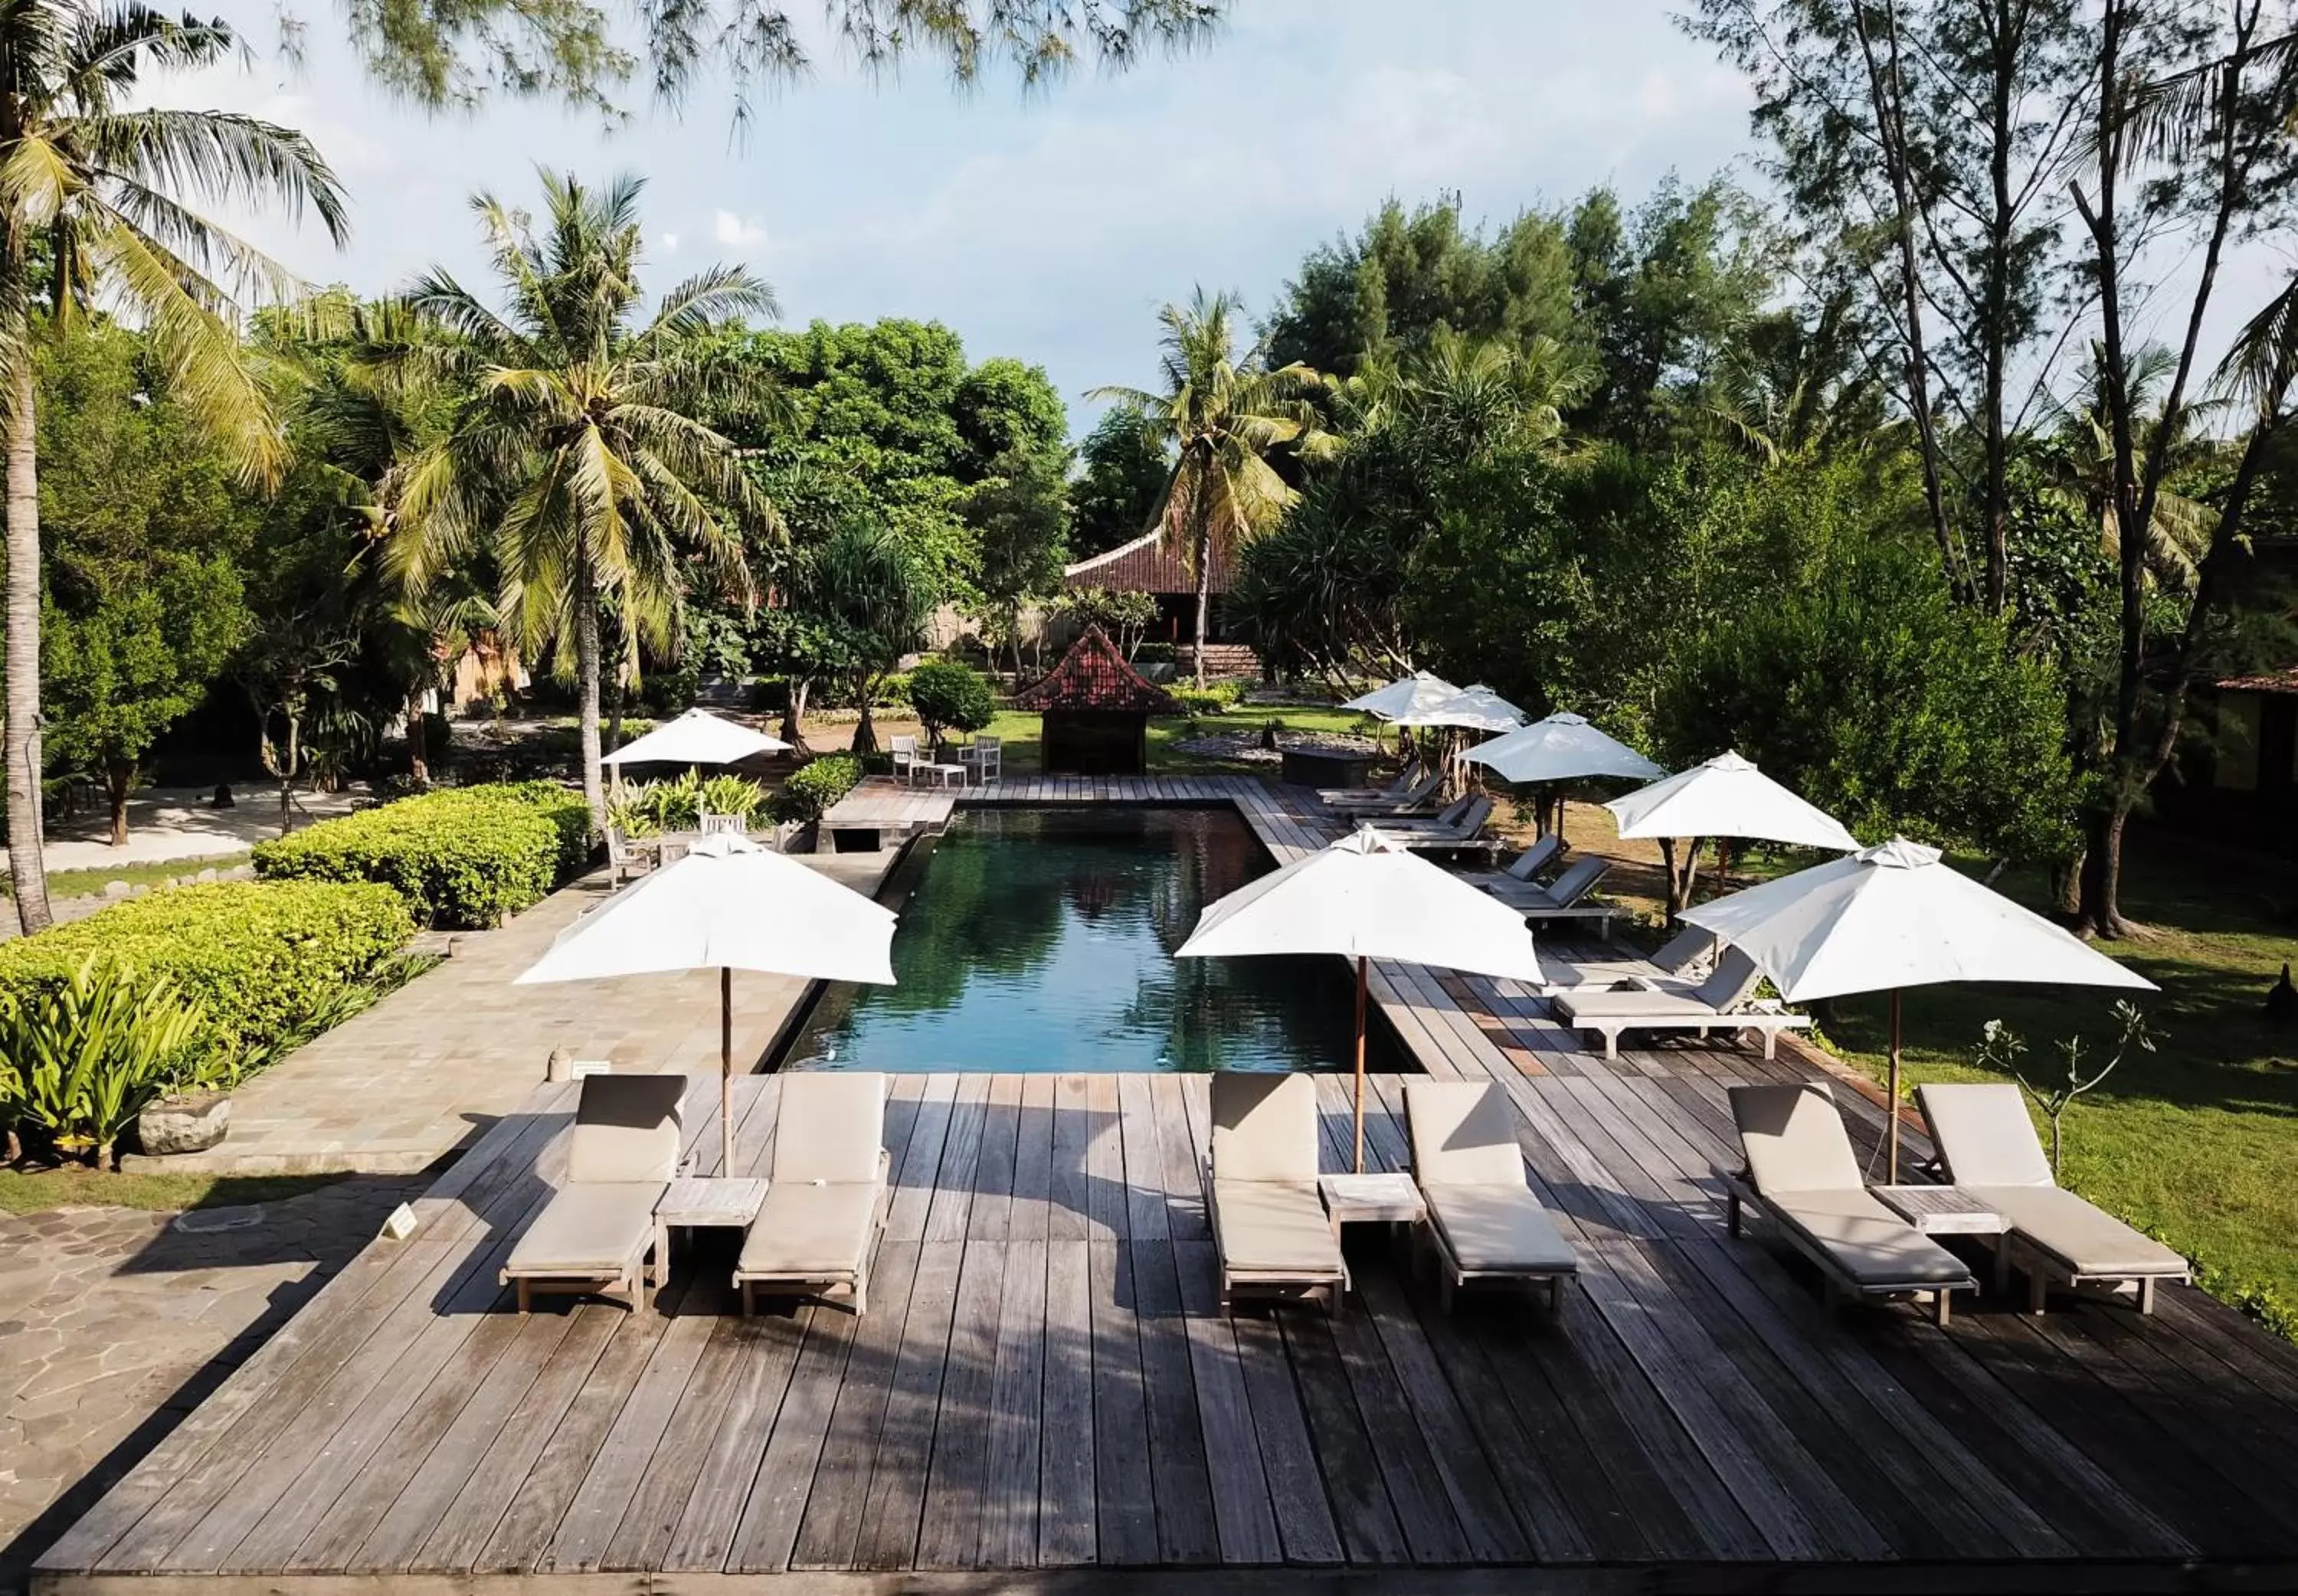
(1044, 1396)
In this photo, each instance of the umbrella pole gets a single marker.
(726, 1071)
(1360, 1067)
(1893, 1105)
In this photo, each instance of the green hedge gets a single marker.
(463, 857)
(815, 786)
(262, 958)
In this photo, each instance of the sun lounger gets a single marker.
(1482, 1218)
(818, 1227)
(1406, 776)
(1414, 799)
(1458, 827)
(1802, 1172)
(1564, 898)
(1988, 1146)
(1678, 966)
(1521, 869)
(1716, 1003)
(598, 1232)
(1260, 1188)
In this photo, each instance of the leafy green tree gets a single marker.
(578, 456)
(1020, 518)
(885, 421)
(1877, 696)
(100, 197)
(950, 695)
(144, 525)
(1382, 293)
(1223, 418)
(1115, 495)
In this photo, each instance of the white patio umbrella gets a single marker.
(1562, 747)
(697, 737)
(1418, 691)
(1892, 917)
(1474, 708)
(1725, 797)
(732, 904)
(1366, 897)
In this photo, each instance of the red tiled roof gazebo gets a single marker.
(1096, 710)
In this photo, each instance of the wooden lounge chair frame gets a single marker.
(853, 1282)
(642, 1274)
(1741, 1193)
(1291, 1284)
(1454, 1275)
(2042, 1265)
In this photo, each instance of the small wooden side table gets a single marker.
(1940, 1210)
(1372, 1199)
(697, 1200)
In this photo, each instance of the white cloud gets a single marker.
(737, 232)
(669, 242)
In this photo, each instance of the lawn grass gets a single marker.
(85, 883)
(35, 1191)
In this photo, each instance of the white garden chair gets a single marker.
(903, 748)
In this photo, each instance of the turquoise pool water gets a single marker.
(1042, 939)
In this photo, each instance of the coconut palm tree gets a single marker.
(2079, 463)
(95, 197)
(1222, 417)
(576, 455)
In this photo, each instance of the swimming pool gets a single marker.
(1043, 939)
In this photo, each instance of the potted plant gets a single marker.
(89, 1053)
(192, 1111)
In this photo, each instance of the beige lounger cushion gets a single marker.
(1983, 1134)
(593, 1229)
(1264, 1127)
(1463, 1134)
(1498, 1230)
(1869, 1242)
(2086, 1240)
(1274, 1226)
(1794, 1139)
(1575, 1005)
(830, 1125)
(626, 1127)
(806, 1229)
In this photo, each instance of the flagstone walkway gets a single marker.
(432, 1065)
(114, 1323)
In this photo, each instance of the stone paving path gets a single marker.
(428, 1067)
(115, 1322)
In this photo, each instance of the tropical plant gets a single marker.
(629, 814)
(2001, 1049)
(1223, 416)
(1126, 616)
(729, 794)
(876, 596)
(89, 1052)
(576, 457)
(673, 803)
(93, 190)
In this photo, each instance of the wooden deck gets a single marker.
(1044, 1395)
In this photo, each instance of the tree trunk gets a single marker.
(118, 782)
(865, 730)
(26, 865)
(418, 760)
(586, 672)
(291, 758)
(615, 718)
(2098, 903)
(1205, 598)
(793, 731)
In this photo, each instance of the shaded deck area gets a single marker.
(1045, 1396)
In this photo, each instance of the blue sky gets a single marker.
(1050, 226)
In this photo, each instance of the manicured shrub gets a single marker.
(463, 857)
(951, 696)
(813, 787)
(1214, 699)
(259, 958)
